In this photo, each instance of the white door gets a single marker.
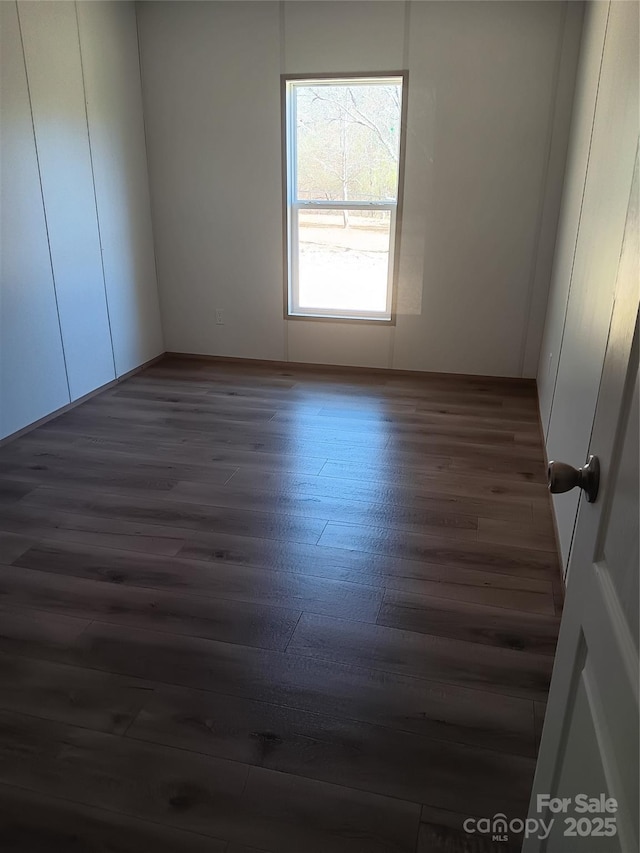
(590, 737)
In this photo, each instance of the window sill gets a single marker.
(331, 318)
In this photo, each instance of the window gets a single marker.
(343, 152)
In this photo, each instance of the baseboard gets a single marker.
(67, 408)
(345, 369)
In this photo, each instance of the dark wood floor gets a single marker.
(245, 608)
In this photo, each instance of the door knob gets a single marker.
(563, 478)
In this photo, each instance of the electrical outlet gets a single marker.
(219, 317)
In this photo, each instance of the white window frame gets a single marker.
(293, 204)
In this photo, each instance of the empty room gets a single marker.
(319, 426)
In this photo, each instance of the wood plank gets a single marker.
(97, 769)
(334, 508)
(12, 546)
(291, 814)
(459, 662)
(303, 576)
(334, 445)
(238, 583)
(200, 428)
(41, 635)
(70, 694)
(519, 460)
(441, 559)
(413, 427)
(474, 587)
(201, 463)
(495, 626)
(543, 515)
(376, 492)
(11, 492)
(242, 848)
(87, 475)
(407, 418)
(203, 409)
(36, 823)
(217, 798)
(219, 455)
(432, 709)
(216, 618)
(175, 514)
(179, 393)
(302, 456)
(79, 466)
(39, 523)
(520, 535)
(358, 755)
(236, 377)
(524, 470)
(414, 546)
(413, 470)
(252, 395)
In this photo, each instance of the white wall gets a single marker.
(78, 302)
(111, 66)
(604, 139)
(212, 106)
(54, 72)
(33, 379)
(586, 88)
(489, 97)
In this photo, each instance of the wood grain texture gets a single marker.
(375, 491)
(37, 823)
(70, 694)
(513, 559)
(232, 582)
(435, 657)
(245, 568)
(348, 752)
(40, 523)
(261, 608)
(494, 626)
(247, 624)
(214, 797)
(433, 709)
(330, 508)
(11, 492)
(177, 514)
(12, 546)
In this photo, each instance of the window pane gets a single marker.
(348, 141)
(343, 259)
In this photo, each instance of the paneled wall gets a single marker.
(490, 91)
(32, 369)
(111, 67)
(54, 72)
(602, 152)
(78, 292)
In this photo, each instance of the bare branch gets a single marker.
(358, 117)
